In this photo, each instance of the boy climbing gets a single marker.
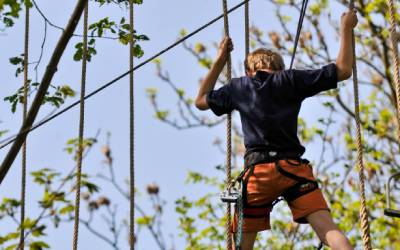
(268, 99)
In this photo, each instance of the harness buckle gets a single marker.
(230, 196)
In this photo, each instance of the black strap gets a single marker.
(244, 184)
(253, 216)
(297, 190)
(290, 175)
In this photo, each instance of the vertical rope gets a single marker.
(132, 129)
(247, 28)
(395, 56)
(81, 129)
(228, 135)
(363, 209)
(24, 113)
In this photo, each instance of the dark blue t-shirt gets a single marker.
(269, 105)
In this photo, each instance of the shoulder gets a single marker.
(239, 82)
(328, 69)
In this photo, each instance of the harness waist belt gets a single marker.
(265, 156)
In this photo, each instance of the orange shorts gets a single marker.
(267, 184)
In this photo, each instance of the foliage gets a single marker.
(201, 219)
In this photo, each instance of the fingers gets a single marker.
(229, 45)
(352, 12)
(349, 18)
(226, 44)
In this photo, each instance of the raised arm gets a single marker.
(211, 78)
(344, 61)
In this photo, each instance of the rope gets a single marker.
(239, 204)
(298, 32)
(239, 234)
(247, 28)
(24, 113)
(363, 209)
(132, 129)
(5, 167)
(228, 225)
(81, 129)
(395, 56)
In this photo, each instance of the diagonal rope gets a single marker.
(81, 129)
(298, 32)
(26, 128)
(24, 113)
(363, 209)
(247, 28)
(228, 225)
(132, 129)
(395, 57)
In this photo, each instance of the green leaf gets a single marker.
(144, 221)
(180, 92)
(162, 115)
(38, 245)
(67, 91)
(16, 60)
(67, 209)
(12, 247)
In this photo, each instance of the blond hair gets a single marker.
(264, 59)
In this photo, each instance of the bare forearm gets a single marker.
(344, 61)
(208, 83)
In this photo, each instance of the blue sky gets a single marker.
(163, 154)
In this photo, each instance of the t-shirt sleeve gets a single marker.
(311, 82)
(220, 100)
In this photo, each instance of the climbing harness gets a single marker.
(238, 196)
(303, 185)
